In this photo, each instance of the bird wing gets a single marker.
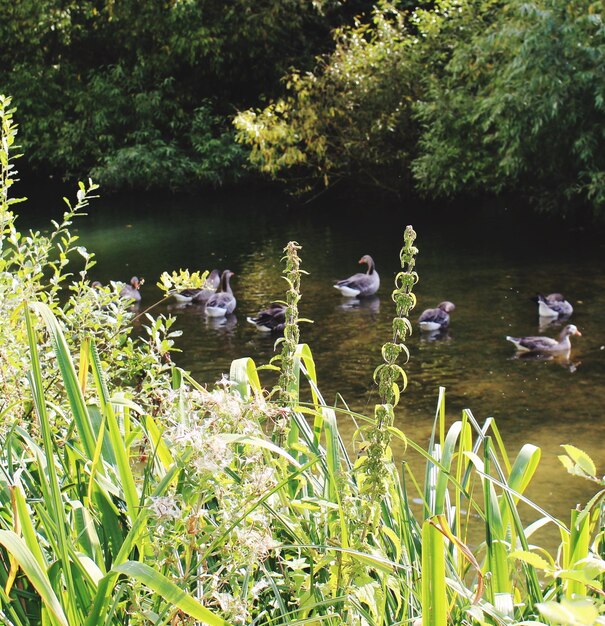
(437, 316)
(221, 299)
(537, 343)
(353, 281)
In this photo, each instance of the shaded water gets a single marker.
(489, 265)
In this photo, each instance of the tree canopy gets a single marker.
(440, 98)
(468, 96)
(142, 92)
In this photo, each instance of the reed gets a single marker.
(167, 502)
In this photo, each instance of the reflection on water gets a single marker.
(550, 324)
(370, 304)
(560, 358)
(223, 325)
(440, 334)
(469, 261)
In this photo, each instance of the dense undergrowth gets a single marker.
(131, 494)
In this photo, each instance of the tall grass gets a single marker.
(311, 532)
(171, 503)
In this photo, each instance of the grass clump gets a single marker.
(131, 494)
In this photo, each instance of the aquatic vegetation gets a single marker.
(150, 498)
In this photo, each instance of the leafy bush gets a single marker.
(520, 106)
(53, 269)
(464, 97)
(158, 501)
(349, 119)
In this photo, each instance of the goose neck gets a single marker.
(225, 286)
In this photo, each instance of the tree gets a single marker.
(349, 118)
(142, 91)
(464, 97)
(521, 107)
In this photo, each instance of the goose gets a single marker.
(360, 284)
(131, 291)
(212, 284)
(223, 301)
(436, 319)
(546, 344)
(203, 293)
(271, 320)
(553, 305)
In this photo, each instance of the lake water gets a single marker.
(488, 261)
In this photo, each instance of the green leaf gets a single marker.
(570, 612)
(243, 373)
(581, 459)
(69, 376)
(524, 467)
(532, 559)
(170, 592)
(35, 574)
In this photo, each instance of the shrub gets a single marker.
(135, 495)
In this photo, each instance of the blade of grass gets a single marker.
(35, 574)
(49, 479)
(69, 376)
(434, 596)
(170, 592)
(120, 451)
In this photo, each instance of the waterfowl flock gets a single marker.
(219, 301)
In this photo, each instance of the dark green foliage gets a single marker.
(466, 97)
(520, 106)
(446, 98)
(143, 91)
(192, 150)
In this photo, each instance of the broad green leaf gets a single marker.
(524, 467)
(532, 559)
(570, 612)
(25, 519)
(170, 592)
(35, 574)
(243, 373)
(93, 572)
(584, 462)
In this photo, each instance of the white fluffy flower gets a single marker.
(258, 542)
(164, 508)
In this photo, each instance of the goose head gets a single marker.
(366, 258)
(570, 329)
(446, 306)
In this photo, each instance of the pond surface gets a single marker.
(488, 262)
